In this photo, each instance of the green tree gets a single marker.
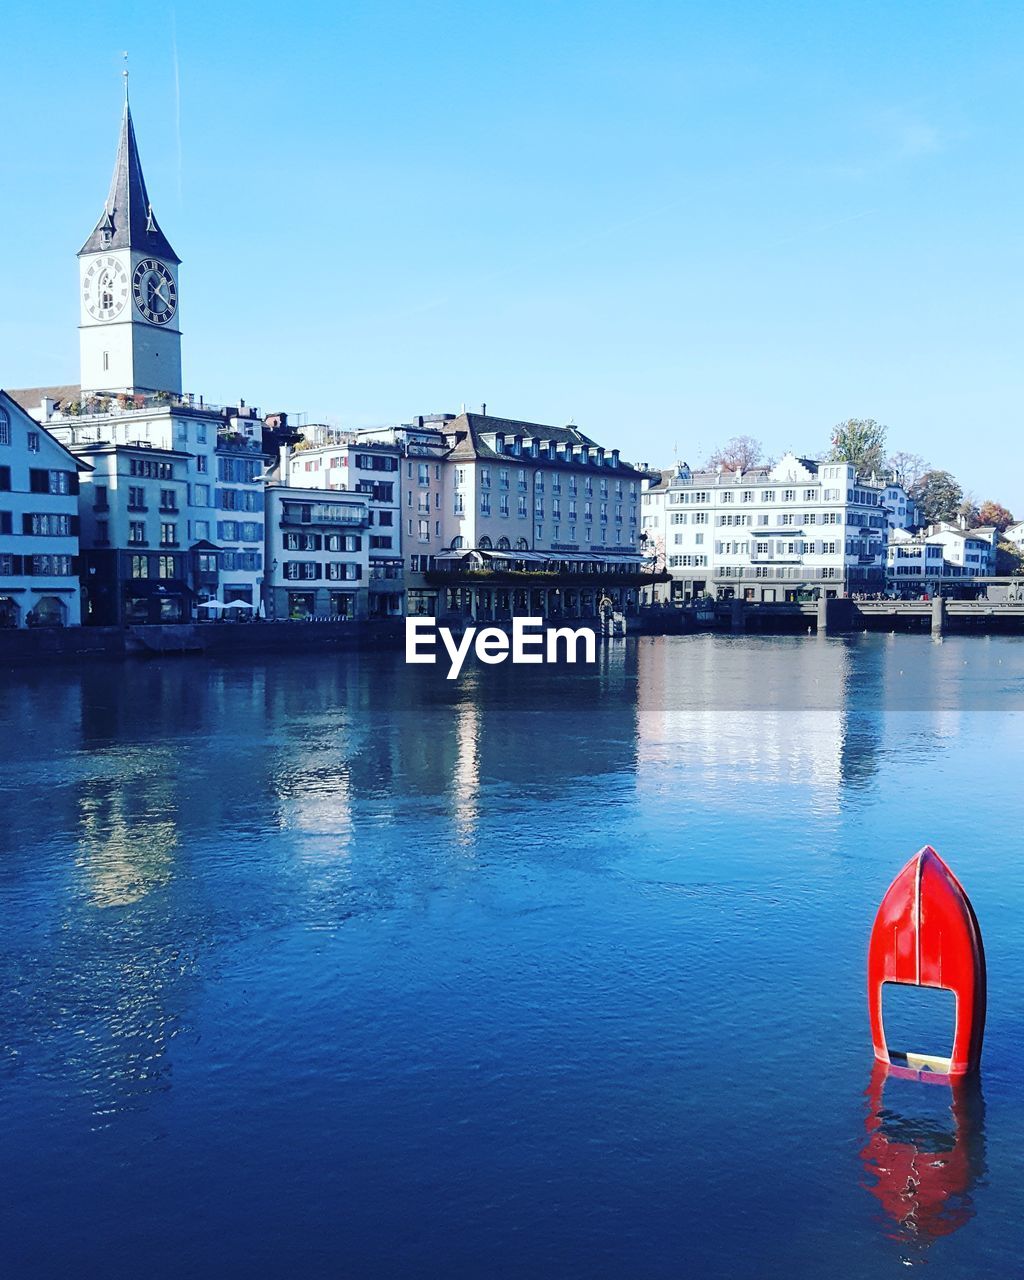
(995, 514)
(860, 441)
(939, 496)
(1009, 560)
(741, 452)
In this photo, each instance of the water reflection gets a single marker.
(924, 1157)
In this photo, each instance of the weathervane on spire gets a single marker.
(124, 55)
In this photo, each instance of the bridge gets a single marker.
(832, 617)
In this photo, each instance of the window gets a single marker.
(165, 566)
(201, 463)
(140, 566)
(789, 495)
(137, 533)
(168, 500)
(32, 440)
(168, 535)
(60, 482)
(136, 498)
(5, 427)
(49, 525)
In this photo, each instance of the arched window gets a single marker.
(504, 544)
(522, 544)
(106, 292)
(5, 427)
(458, 542)
(485, 543)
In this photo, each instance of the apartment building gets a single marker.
(317, 552)
(354, 462)
(941, 556)
(773, 533)
(39, 525)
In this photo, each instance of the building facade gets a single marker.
(534, 520)
(134, 551)
(773, 534)
(317, 552)
(39, 524)
(939, 558)
(350, 461)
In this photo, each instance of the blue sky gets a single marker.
(668, 222)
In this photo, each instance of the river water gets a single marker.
(327, 966)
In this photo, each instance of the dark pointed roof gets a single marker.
(127, 221)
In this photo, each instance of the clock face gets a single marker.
(105, 288)
(154, 291)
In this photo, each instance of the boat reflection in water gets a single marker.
(922, 1165)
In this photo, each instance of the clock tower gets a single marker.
(128, 276)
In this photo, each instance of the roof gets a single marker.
(30, 397)
(127, 221)
(470, 428)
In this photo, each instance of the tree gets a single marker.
(741, 452)
(910, 467)
(860, 441)
(1009, 560)
(995, 514)
(969, 512)
(938, 495)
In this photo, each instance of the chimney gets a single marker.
(483, 410)
(46, 408)
(284, 455)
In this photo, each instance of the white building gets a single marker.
(940, 556)
(1014, 534)
(129, 330)
(774, 533)
(39, 545)
(355, 462)
(317, 552)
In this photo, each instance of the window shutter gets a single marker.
(17, 566)
(26, 523)
(74, 526)
(5, 478)
(73, 485)
(38, 481)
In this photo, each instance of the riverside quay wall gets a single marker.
(76, 645)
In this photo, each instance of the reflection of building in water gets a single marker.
(923, 1165)
(123, 855)
(732, 716)
(466, 776)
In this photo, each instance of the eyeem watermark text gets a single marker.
(530, 642)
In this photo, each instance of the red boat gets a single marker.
(926, 935)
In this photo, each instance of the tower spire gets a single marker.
(127, 221)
